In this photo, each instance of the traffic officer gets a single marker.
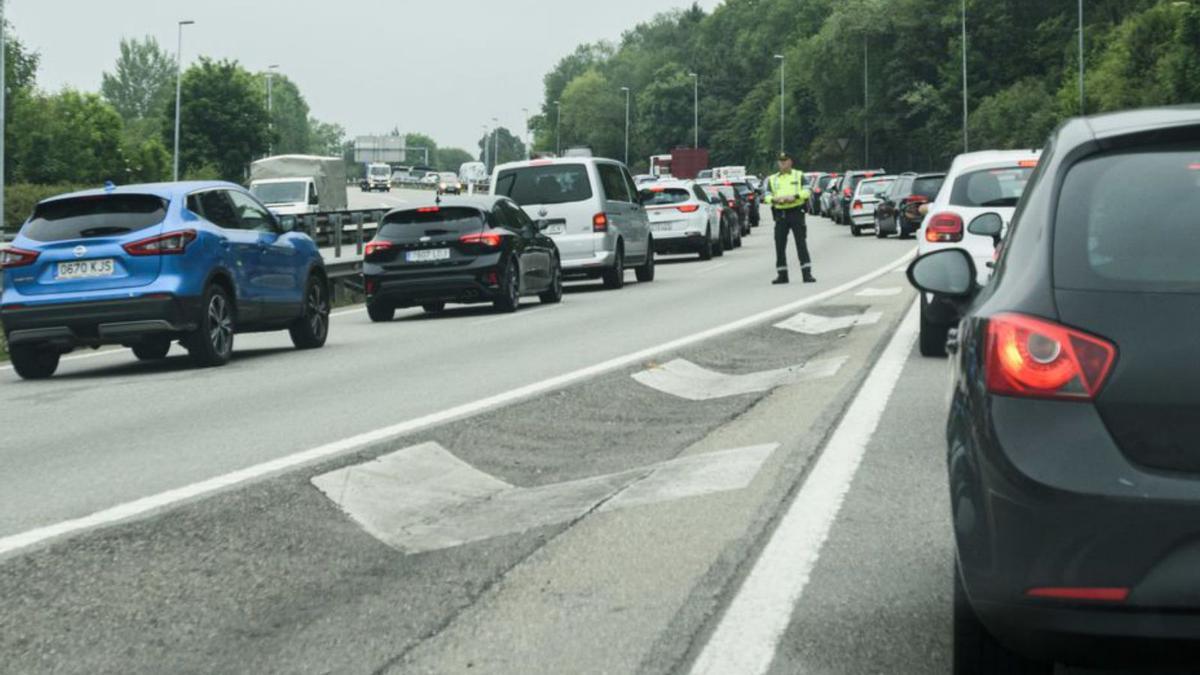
(787, 196)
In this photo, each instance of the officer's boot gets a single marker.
(808, 275)
(782, 278)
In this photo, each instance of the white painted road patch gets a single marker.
(812, 324)
(747, 637)
(423, 498)
(685, 379)
(879, 292)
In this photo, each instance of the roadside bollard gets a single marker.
(358, 223)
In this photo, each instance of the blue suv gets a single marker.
(145, 265)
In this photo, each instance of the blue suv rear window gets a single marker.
(95, 216)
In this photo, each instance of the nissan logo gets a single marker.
(79, 251)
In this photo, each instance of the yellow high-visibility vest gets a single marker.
(790, 185)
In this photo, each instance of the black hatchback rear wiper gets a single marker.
(103, 231)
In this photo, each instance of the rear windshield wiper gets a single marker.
(1007, 201)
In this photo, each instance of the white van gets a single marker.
(592, 210)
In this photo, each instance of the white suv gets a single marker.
(683, 219)
(590, 207)
(990, 181)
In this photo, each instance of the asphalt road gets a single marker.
(615, 521)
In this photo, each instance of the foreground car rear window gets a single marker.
(551, 184)
(1130, 221)
(399, 225)
(98, 216)
(991, 187)
(660, 196)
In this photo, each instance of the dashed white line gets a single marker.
(747, 638)
(709, 268)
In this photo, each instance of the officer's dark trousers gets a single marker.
(790, 220)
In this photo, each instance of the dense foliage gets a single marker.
(1022, 77)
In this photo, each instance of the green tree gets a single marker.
(223, 119)
(450, 159)
(1150, 58)
(511, 148)
(416, 141)
(69, 137)
(142, 80)
(325, 138)
(289, 115)
(593, 115)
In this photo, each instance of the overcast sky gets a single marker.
(439, 67)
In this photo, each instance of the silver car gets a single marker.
(592, 210)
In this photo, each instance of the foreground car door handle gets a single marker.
(952, 341)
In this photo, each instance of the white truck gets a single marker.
(298, 184)
(379, 177)
(473, 173)
(729, 172)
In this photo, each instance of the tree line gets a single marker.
(884, 77)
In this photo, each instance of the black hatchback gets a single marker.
(1074, 459)
(461, 250)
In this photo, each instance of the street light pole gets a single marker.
(626, 90)
(270, 111)
(486, 146)
(966, 140)
(866, 107)
(695, 109)
(495, 141)
(528, 140)
(3, 105)
(1082, 101)
(558, 129)
(178, 90)
(781, 94)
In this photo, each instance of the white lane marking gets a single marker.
(685, 379)
(709, 268)
(176, 496)
(423, 498)
(879, 292)
(812, 324)
(746, 639)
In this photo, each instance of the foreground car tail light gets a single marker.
(1035, 358)
(1099, 594)
(376, 247)
(847, 193)
(167, 244)
(689, 208)
(857, 205)
(485, 239)
(944, 227)
(16, 257)
(600, 223)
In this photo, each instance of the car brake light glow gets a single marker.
(657, 188)
(916, 199)
(374, 247)
(428, 209)
(689, 208)
(16, 257)
(857, 204)
(1031, 357)
(487, 239)
(1027, 163)
(750, 197)
(731, 203)
(1102, 594)
(870, 174)
(173, 243)
(540, 162)
(944, 227)
(846, 192)
(600, 223)
(1194, 166)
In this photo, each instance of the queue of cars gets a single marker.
(144, 266)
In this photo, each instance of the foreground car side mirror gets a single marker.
(949, 273)
(987, 225)
(286, 223)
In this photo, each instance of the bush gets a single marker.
(20, 199)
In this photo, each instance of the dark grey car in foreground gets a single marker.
(1074, 458)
